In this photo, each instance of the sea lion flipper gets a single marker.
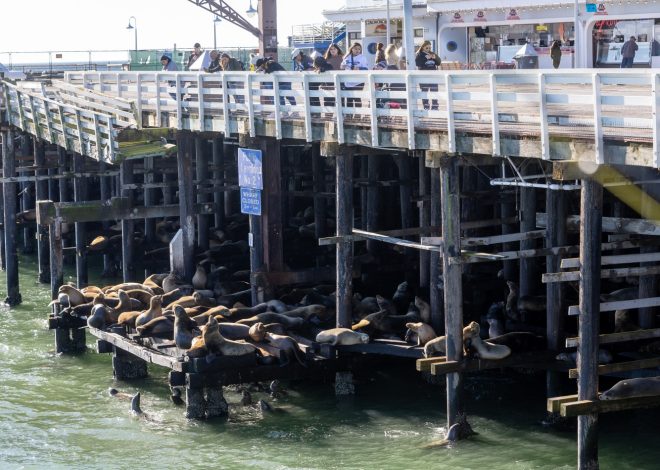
(135, 404)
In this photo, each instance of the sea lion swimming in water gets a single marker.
(342, 337)
(113, 392)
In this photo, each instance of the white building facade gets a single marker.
(488, 33)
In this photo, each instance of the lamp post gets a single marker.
(388, 22)
(250, 12)
(216, 20)
(133, 26)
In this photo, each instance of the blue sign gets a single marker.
(250, 201)
(591, 8)
(249, 169)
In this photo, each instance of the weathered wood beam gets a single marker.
(604, 274)
(586, 407)
(620, 304)
(619, 337)
(649, 363)
(344, 227)
(610, 224)
(616, 259)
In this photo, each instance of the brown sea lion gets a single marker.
(628, 388)
(320, 311)
(439, 344)
(486, 350)
(161, 326)
(199, 278)
(140, 295)
(198, 348)
(155, 280)
(423, 332)
(234, 331)
(289, 345)
(424, 310)
(341, 337)
(75, 296)
(215, 342)
(155, 310)
(127, 286)
(257, 332)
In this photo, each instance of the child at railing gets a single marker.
(427, 60)
(354, 60)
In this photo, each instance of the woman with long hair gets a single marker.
(354, 60)
(426, 59)
(334, 56)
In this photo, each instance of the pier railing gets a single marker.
(426, 110)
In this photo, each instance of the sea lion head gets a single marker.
(319, 311)
(419, 303)
(99, 299)
(414, 326)
(197, 297)
(156, 302)
(364, 338)
(382, 302)
(180, 313)
(257, 332)
(471, 330)
(63, 299)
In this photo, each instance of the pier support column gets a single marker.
(125, 366)
(149, 199)
(344, 286)
(436, 283)
(80, 195)
(229, 155)
(373, 200)
(591, 209)
(9, 199)
(217, 150)
(319, 187)
(127, 226)
(186, 208)
(405, 199)
(41, 195)
(56, 258)
(216, 405)
(453, 291)
(424, 219)
(105, 190)
(202, 177)
(528, 271)
(555, 202)
(648, 285)
(27, 149)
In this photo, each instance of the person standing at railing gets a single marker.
(169, 66)
(354, 60)
(269, 65)
(380, 54)
(230, 64)
(214, 65)
(426, 59)
(321, 66)
(555, 53)
(301, 62)
(391, 58)
(333, 56)
(194, 55)
(628, 51)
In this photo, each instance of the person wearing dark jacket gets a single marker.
(301, 62)
(555, 53)
(426, 59)
(194, 55)
(269, 65)
(214, 65)
(628, 51)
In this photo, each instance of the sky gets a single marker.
(65, 25)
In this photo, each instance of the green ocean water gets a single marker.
(55, 413)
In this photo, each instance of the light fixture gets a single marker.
(217, 19)
(251, 11)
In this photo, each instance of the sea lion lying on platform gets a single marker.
(628, 388)
(439, 344)
(269, 317)
(289, 345)
(419, 332)
(604, 357)
(520, 341)
(341, 337)
(215, 342)
(487, 350)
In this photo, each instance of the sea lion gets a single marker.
(161, 326)
(257, 332)
(375, 322)
(289, 345)
(135, 405)
(269, 317)
(198, 347)
(97, 318)
(199, 278)
(277, 306)
(423, 333)
(183, 326)
(461, 429)
(171, 282)
(240, 312)
(627, 293)
(341, 337)
(155, 310)
(215, 342)
(628, 388)
(113, 392)
(439, 344)
(234, 330)
(126, 286)
(512, 301)
(141, 295)
(486, 350)
(495, 327)
(320, 311)
(155, 280)
(75, 296)
(424, 310)
(624, 321)
(386, 305)
(604, 357)
(246, 398)
(402, 297)
(520, 341)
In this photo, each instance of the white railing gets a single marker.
(74, 128)
(587, 106)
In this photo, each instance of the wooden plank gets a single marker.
(649, 363)
(554, 403)
(610, 224)
(620, 305)
(532, 359)
(475, 241)
(146, 354)
(394, 241)
(424, 365)
(616, 259)
(604, 274)
(582, 407)
(619, 337)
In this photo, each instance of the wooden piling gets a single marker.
(149, 199)
(424, 218)
(127, 225)
(344, 201)
(27, 191)
(256, 260)
(318, 177)
(80, 195)
(528, 272)
(201, 173)
(648, 285)
(9, 199)
(186, 207)
(217, 150)
(435, 269)
(555, 303)
(56, 259)
(373, 200)
(591, 208)
(41, 194)
(229, 156)
(105, 192)
(271, 215)
(453, 291)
